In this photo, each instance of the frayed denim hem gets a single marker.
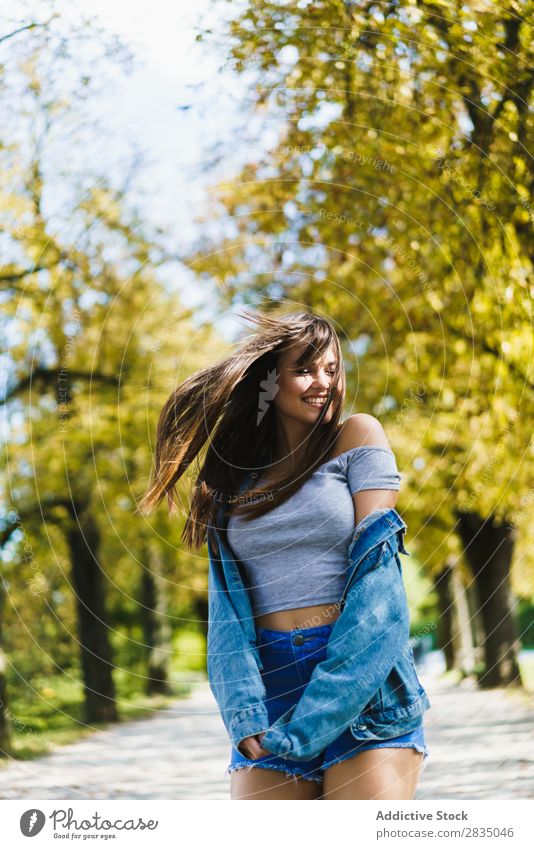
(422, 749)
(279, 767)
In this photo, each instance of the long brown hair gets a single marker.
(228, 404)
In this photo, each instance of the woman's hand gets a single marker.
(251, 747)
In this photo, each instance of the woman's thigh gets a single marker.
(375, 774)
(261, 783)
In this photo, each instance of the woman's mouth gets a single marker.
(315, 400)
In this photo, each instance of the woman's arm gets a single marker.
(233, 672)
(358, 431)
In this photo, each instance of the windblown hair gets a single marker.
(230, 404)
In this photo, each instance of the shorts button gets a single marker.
(298, 639)
(361, 727)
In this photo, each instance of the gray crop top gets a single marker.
(296, 555)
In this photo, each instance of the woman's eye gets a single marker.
(301, 370)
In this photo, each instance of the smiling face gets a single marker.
(304, 389)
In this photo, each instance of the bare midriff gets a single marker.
(299, 617)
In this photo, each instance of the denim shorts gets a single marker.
(287, 667)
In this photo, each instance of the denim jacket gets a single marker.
(367, 682)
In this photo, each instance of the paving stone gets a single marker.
(481, 746)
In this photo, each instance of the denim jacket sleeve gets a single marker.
(233, 671)
(367, 638)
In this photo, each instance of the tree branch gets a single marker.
(21, 29)
(12, 277)
(7, 532)
(52, 377)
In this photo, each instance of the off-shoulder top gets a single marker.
(296, 555)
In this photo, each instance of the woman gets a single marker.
(308, 652)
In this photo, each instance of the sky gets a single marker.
(175, 106)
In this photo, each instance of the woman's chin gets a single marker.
(313, 413)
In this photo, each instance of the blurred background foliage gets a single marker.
(394, 196)
(103, 614)
(396, 201)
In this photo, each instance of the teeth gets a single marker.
(315, 402)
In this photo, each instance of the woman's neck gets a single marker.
(285, 462)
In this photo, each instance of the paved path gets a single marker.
(181, 753)
(481, 747)
(481, 744)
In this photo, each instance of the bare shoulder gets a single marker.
(361, 429)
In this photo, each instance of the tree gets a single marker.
(91, 332)
(396, 200)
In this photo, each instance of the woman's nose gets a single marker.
(322, 381)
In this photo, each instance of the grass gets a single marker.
(48, 711)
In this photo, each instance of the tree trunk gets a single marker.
(477, 625)
(201, 609)
(454, 635)
(83, 539)
(464, 649)
(488, 548)
(156, 628)
(444, 636)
